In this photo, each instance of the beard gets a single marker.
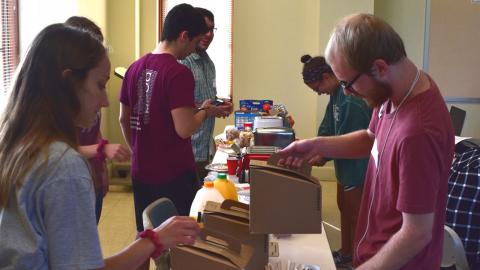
(204, 44)
(378, 94)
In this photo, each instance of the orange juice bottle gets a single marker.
(226, 187)
(206, 193)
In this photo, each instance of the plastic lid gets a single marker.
(208, 184)
(222, 176)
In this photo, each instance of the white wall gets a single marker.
(331, 11)
(95, 10)
(34, 15)
(407, 18)
(270, 36)
(269, 39)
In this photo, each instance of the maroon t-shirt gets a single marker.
(412, 177)
(89, 136)
(153, 86)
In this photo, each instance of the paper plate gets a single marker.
(217, 167)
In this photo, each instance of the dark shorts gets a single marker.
(180, 191)
(201, 171)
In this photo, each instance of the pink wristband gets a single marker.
(150, 234)
(100, 153)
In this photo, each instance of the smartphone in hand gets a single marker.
(218, 102)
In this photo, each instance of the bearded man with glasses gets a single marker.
(409, 142)
(204, 73)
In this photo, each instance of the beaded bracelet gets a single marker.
(150, 234)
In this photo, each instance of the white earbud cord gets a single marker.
(414, 82)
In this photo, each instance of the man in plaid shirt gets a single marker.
(203, 71)
(463, 205)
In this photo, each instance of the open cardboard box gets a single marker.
(213, 251)
(232, 218)
(282, 200)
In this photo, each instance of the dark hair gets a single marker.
(181, 18)
(86, 25)
(44, 104)
(206, 13)
(313, 68)
(363, 38)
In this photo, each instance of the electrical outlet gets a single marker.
(273, 249)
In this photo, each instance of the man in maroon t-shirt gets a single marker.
(158, 115)
(410, 142)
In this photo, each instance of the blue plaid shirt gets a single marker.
(463, 205)
(203, 71)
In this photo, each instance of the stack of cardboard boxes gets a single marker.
(235, 235)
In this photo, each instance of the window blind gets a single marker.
(9, 44)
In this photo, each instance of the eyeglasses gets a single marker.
(213, 30)
(348, 86)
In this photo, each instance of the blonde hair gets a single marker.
(363, 38)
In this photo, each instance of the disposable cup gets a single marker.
(232, 164)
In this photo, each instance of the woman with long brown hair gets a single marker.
(47, 215)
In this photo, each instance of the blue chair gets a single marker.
(157, 212)
(154, 215)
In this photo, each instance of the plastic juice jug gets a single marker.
(206, 193)
(226, 187)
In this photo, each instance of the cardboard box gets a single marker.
(284, 201)
(233, 219)
(213, 251)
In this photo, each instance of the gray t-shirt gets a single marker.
(50, 222)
